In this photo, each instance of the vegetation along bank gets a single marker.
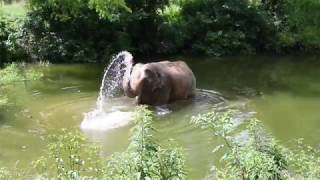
(91, 30)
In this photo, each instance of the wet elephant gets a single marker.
(159, 83)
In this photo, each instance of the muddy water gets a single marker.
(284, 93)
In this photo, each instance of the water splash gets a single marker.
(112, 78)
(106, 116)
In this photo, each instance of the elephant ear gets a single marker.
(154, 79)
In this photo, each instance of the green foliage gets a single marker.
(3, 51)
(8, 174)
(67, 9)
(4, 173)
(304, 160)
(145, 28)
(297, 24)
(258, 158)
(10, 50)
(222, 27)
(14, 173)
(18, 72)
(304, 23)
(144, 158)
(108, 8)
(64, 9)
(92, 30)
(4, 33)
(10, 74)
(70, 157)
(75, 32)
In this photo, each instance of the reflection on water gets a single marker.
(289, 116)
(282, 92)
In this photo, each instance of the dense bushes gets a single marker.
(230, 27)
(92, 30)
(303, 25)
(11, 19)
(297, 23)
(65, 39)
(74, 32)
(224, 27)
(3, 37)
(9, 52)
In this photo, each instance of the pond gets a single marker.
(283, 92)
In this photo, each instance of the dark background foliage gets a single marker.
(74, 31)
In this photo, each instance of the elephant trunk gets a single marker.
(127, 75)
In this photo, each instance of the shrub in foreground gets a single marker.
(259, 156)
(71, 157)
(144, 158)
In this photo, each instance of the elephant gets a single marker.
(158, 83)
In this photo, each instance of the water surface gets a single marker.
(284, 93)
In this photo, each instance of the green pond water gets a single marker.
(283, 92)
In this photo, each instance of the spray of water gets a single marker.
(112, 78)
(107, 115)
(111, 86)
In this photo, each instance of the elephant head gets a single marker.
(159, 83)
(147, 84)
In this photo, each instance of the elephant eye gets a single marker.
(158, 74)
(154, 90)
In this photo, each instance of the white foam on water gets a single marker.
(99, 119)
(162, 110)
(103, 121)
